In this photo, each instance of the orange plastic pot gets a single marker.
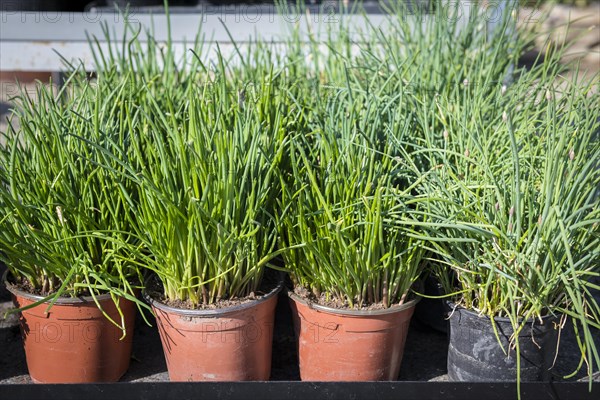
(74, 342)
(347, 345)
(227, 344)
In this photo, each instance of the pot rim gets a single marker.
(359, 313)
(453, 306)
(213, 312)
(60, 300)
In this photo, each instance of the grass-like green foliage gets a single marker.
(62, 229)
(415, 63)
(514, 193)
(344, 186)
(436, 52)
(203, 161)
(206, 181)
(359, 157)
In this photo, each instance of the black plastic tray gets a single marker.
(302, 390)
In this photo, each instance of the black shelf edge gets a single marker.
(303, 390)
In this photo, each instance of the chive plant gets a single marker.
(345, 184)
(62, 230)
(203, 160)
(436, 50)
(515, 201)
(437, 60)
(206, 183)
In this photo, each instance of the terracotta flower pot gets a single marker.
(227, 344)
(74, 342)
(474, 354)
(346, 345)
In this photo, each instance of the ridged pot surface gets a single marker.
(74, 342)
(228, 344)
(343, 345)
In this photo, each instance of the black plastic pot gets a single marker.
(475, 355)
